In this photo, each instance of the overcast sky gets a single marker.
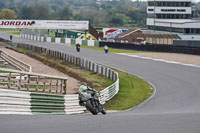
(192, 0)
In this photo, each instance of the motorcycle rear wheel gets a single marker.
(90, 107)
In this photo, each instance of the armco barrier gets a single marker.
(14, 61)
(14, 102)
(59, 40)
(108, 92)
(18, 102)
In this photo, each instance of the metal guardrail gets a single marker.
(16, 62)
(26, 81)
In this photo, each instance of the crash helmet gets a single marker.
(83, 87)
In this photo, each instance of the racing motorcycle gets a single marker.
(91, 100)
(78, 47)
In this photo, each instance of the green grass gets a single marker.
(113, 50)
(98, 81)
(15, 33)
(9, 29)
(133, 91)
(3, 72)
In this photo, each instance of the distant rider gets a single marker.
(78, 47)
(106, 49)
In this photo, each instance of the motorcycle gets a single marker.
(78, 47)
(91, 100)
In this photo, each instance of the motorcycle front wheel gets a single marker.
(103, 111)
(91, 108)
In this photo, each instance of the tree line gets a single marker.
(100, 14)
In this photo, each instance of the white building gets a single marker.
(173, 16)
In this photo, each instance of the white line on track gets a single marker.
(160, 60)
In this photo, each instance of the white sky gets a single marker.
(192, 0)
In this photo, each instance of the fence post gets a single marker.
(57, 86)
(101, 70)
(9, 80)
(28, 82)
(44, 84)
(109, 73)
(65, 86)
(61, 86)
(20, 82)
(37, 86)
(97, 68)
(93, 67)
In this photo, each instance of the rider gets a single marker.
(84, 88)
(78, 47)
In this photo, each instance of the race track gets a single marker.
(175, 108)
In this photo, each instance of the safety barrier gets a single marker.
(19, 102)
(59, 40)
(14, 61)
(14, 102)
(107, 93)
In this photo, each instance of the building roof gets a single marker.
(172, 36)
(128, 32)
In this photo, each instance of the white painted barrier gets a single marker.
(35, 38)
(42, 39)
(72, 105)
(57, 40)
(48, 39)
(32, 37)
(68, 40)
(91, 42)
(19, 102)
(38, 38)
(79, 41)
(14, 102)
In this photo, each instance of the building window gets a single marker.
(173, 16)
(187, 31)
(151, 3)
(197, 31)
(170, 4)
(150, 15)
(150, 10)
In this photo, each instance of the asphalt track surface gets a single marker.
(175, 108)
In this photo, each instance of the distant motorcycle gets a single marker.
(78, 47)
(91, 100)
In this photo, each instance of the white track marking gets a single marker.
(160, 60)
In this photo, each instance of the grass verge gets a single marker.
(14, 33)
(9, 29)
(94, 80)
(133, 90)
